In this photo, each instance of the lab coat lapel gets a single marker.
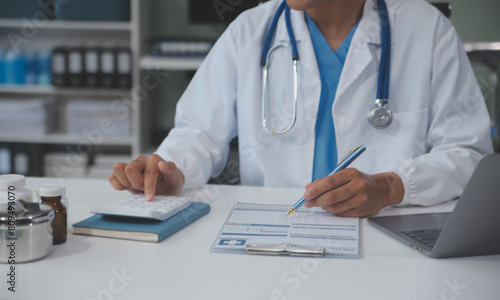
(365, 41)
(360, 54)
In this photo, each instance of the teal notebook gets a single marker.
(140, 229)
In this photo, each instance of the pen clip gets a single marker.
(347, 155)
(285, 249)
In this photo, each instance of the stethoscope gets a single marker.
(379, 116)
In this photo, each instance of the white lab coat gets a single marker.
(440, 127)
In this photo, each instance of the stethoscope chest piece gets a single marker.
(380, 116)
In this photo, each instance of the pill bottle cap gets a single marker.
(16, 180)
(52, 190)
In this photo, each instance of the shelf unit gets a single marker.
(51, 90)
(134, 34)
(71, 25)
(53, 33)
(171, 63)
(63, 138)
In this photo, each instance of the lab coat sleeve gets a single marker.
(458, 128)
(205, 120)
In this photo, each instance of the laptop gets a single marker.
(472, 229)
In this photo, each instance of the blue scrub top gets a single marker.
(330, 65)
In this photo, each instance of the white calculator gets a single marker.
(161, 208)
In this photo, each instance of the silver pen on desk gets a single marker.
(342, 164)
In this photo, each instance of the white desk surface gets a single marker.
(182, 266)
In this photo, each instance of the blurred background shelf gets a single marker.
(70, 25)
(111, 24)
(486, 56)
(62, 138)
(51, 90)
(170, 63)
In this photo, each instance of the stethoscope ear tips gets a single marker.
(380, 117)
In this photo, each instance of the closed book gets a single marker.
(140, 229)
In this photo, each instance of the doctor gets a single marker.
(438, 130)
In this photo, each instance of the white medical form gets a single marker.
(265, 229)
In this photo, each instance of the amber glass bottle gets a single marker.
(52, 195)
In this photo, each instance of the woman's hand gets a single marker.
(351, 193)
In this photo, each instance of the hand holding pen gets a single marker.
(352, 193)
(342, 164)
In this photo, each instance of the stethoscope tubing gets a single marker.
(385, 54)
(383, 76)
(295, 57)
